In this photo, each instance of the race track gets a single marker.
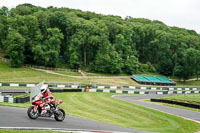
(137, 99)
(17, 117)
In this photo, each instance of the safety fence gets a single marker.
(146, 88)
(142, 92)
(49, 85)
(119, 91)
(177, 92)
(114, 89)
(76, 86)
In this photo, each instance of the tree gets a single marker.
(48, 53)
(131, 65)
(15, 49)
(190, 64)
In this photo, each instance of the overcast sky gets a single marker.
(180, 13)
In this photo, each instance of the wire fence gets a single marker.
(50, 68)
(40, 67)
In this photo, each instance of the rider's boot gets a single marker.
(43, 112)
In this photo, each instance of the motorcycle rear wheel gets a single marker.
(60, 116)
(32, 114)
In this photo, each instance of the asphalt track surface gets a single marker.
(138, 99)
(17, 117)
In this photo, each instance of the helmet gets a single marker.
(43, 89)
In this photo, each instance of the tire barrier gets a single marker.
(7, 99)
(22, 99)
(14, 100)
(196, 106)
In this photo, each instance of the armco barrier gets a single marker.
(177, 103)
(177, 92)
(49, 85)
(66, 90)
(115, 89)
(119, 91)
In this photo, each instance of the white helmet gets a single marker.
(43, 88)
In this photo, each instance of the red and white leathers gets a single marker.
(46, 98)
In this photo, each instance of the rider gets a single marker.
(46, 98)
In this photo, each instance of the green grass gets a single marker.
(21, 105)
(69, 73)
(27, 75)
(28, 131)
(102, 107)
(187, 83)
(11, 87)
(185, 97)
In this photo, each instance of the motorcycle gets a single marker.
(51, 109)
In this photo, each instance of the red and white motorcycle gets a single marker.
(51, 109)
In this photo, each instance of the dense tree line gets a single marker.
(95, 42)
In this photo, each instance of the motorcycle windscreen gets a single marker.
(36, 91)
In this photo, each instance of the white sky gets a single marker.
(180, 13)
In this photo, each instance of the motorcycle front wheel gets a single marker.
(32, 114)
(59, 115)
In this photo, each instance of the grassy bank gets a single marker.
(102, 107)
(185, 97)
(188, 83)
(21, 105)
(27, 75)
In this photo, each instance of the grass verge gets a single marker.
(190, 98)
(21, 105)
